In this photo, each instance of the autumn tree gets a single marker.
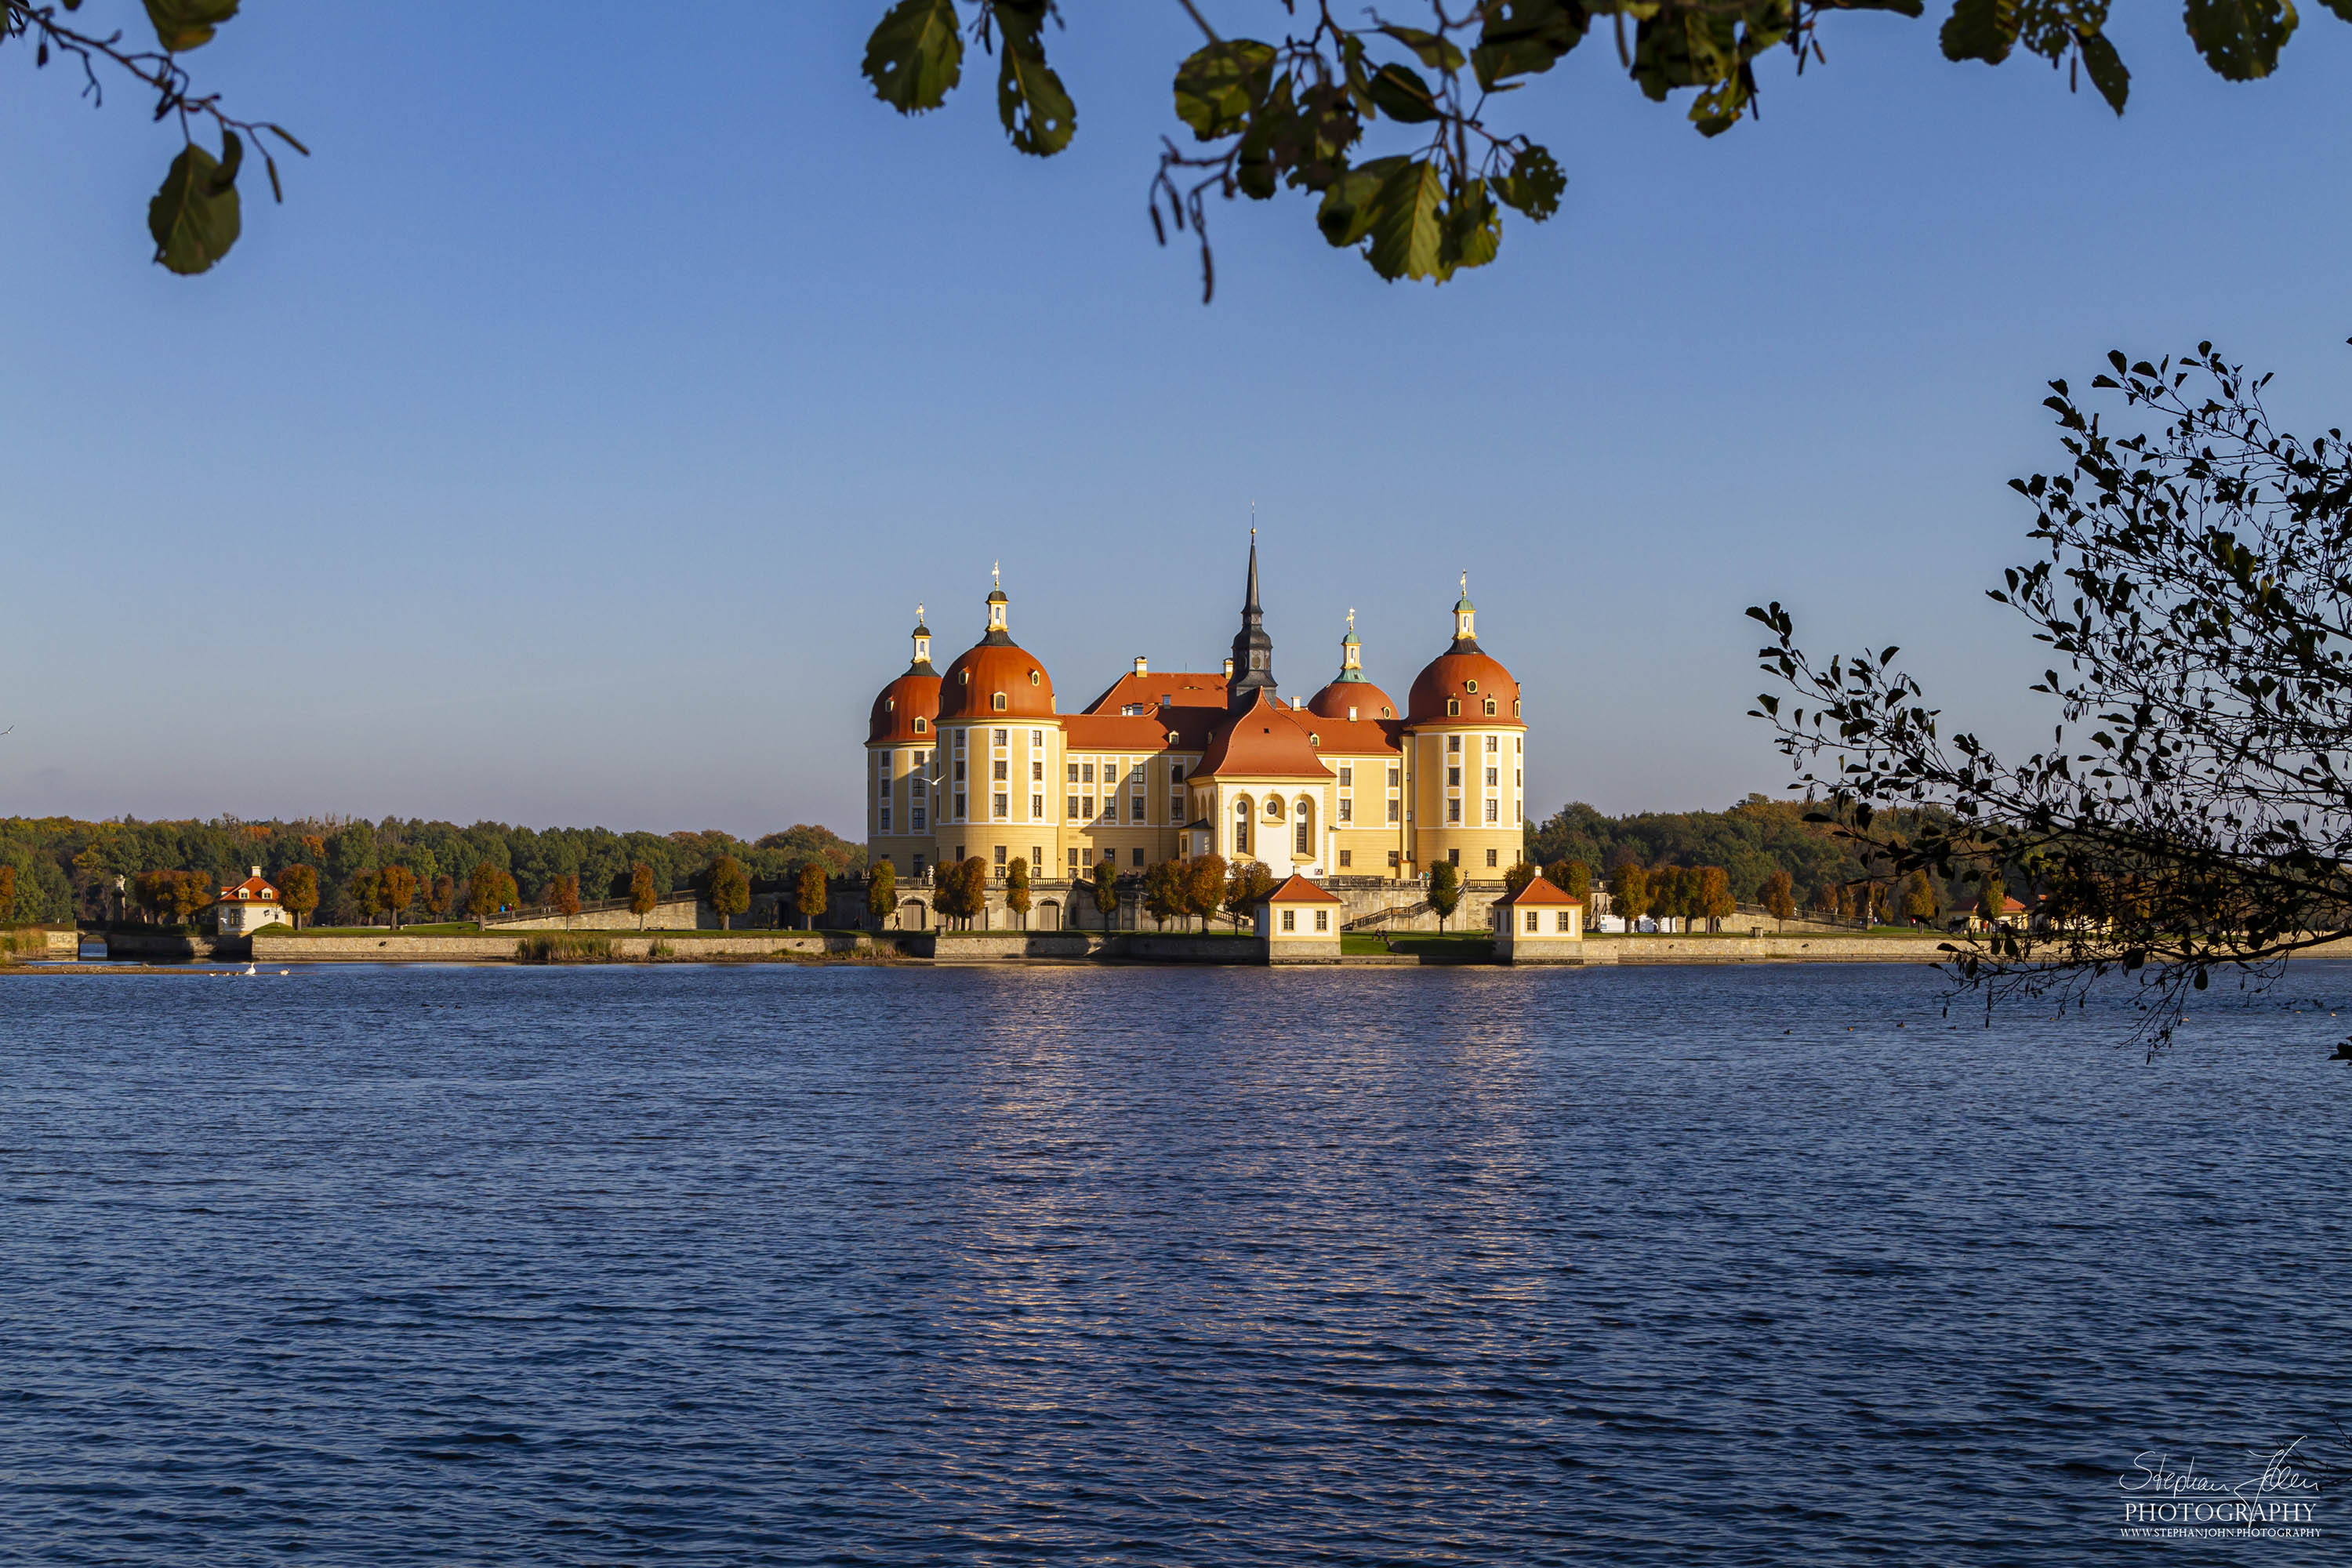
(729, 889)
(7, 893)
(1444, 890)
(1829, 900)
(1629, 891)
(1105, 891)
(1205, 887)
(366, 890)
(1918, 901)
(1520, 874)
(1711, 897)
(397, 885)
(881, 891)
(1395, 123)
(810, 894)
(642, 896)
(1249, 886)
(440, 898)
(1016, 889)
(1780, 897)
(1164, 892)
(487, 890)
(564, 895)
(298, 892)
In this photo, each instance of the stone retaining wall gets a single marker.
(1793, 948)
(670, 914)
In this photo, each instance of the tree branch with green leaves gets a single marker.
(196, 216)
(1301, 111)
(2192, 815)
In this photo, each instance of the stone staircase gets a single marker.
(1379, 918)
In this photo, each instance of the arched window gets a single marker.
(1490, 707)
(997, 702)
(1033, 678)
(921, 724)
(1515, 707)
(1453, 707)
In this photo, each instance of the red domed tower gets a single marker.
(1350, 696)
(899, 735)
(1465, 745)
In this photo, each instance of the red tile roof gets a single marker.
(1540, 891)
(252, 890)
(1181, 687)
(1300, 890)
(1262, 741)
(1353, 738)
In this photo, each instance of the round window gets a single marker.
(1033, 678)
(1469, 686)
(1273, 809)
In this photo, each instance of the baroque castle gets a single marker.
(979, 760)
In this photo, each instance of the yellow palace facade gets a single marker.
(979, 760)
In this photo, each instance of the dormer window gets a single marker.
(921, 724)
(1453, 707)
(1470, 686)
(1490, 707)
(997, 702)
(1351, 715)
(1515, 707)
(889, 705)
(1386, 714)
(1313, 739)
(965, 676)
(1033, 678)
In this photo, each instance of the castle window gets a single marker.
(1290, 920)
(1494, 742)
(1347, 776)
(1036, 773)
(1074, 809)
(1000, 859)
(1454, 811)
(1176, 773)
(1000, 769)
(958, 770)
(1033, 678)
(1392, 808)
(1273, 811)
(921, 725)
(1347, 809)
(1392, 778)
(1257, 659)
(1347, 858)
(1322, 919)
(1074, 772)
(965, 676)
(1037, 738)
(916, 818)
(959, 807)
(886, 819)
(1454, 856)
(1138, 855)
(1471, 686)
(1386, 714)
(1036, 805)
(1004, 738)
(1454, 778)
(997, 702)
(1490, 707)
(1515, 707)
(1074, 865)
(889, 705)
(1313, 739)
(1306, 838)
(1452, 707)
(1490, 776)
(1533, 917)
(1135, 810)
(1351, 715)
(1490, 860)
(1492, 807)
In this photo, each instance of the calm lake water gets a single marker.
(840, 1264)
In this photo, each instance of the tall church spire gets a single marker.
(1253, 650)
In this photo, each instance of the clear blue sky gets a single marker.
(574, 445)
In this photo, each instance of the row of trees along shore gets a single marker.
(1196, 888)
(340, 872)
(1787, 857)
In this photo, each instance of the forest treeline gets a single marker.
(1750, 841)
(66, 869)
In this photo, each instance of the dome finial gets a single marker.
(996, 576)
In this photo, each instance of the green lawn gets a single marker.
(1413, 943)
